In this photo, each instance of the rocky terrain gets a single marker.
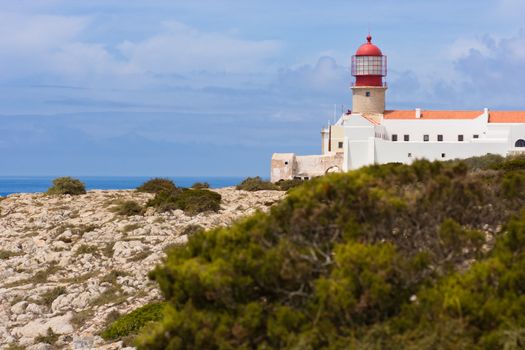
(68, 263)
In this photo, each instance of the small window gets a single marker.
(286, 163)
(394, 137)
(460, 138)
(367, 94)
(340, 145)
(409, 155)
(442, 155)
(440, 138)
(406, 138)
(426, 138)
(475, 136)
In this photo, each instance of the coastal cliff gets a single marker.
(68, 264)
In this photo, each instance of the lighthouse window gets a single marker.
(426, 138)
(340, 145)
(367, 94)
(406, 138)
(440, 138)
(394, 137)
(460, 138)
(285, 163)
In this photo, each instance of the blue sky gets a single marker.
(214, 87)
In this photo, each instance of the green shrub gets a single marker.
(256, 184)
(127, 208)
(200, 185)
(134, 321)
(285, 185)
(384, 257)
(157, 185)
(190, 201)
(67, 185)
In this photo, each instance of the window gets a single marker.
(286, 163)
(426, 138)
(440, 138)
(460, 138)
(409, 155)
(442, 155)
(475, 136)
(367, 94)
(394, 137)
(520, 143)
(406, 138)
(340, 144)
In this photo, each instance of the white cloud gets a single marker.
(180, 48)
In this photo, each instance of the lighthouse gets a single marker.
(369, 69)
(369, 134)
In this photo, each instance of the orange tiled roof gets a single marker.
(507, 117)
(411, 114)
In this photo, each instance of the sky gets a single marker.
(214, 87)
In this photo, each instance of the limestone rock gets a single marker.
(74, 260)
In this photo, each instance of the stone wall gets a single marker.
(286, 166)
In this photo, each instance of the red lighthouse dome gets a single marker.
(368, 65)
(368, 49)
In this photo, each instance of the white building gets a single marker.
(369, 134)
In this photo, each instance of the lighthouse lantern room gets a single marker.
(369, 66)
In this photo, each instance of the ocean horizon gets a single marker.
(34, 184)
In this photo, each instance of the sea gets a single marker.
(33, 184)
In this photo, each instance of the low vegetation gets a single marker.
(127, 208)
(157, 185)
(7, 254)
(129, 324)
(426, 256)
(49, 296)
(256, 184)
(67, 185)
(50, 337)
(200, 185)
(191, 201)
(285, 185)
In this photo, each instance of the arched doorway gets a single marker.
(333, 169)
(520, 143)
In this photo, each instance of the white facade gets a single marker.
(356, 140)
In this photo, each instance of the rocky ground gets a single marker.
(67, 262)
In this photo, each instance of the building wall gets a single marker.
(375, 103)
(450, 129)
(287, 166)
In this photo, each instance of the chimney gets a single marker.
(418, 113)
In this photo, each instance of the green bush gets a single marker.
(385, 257)
(285, 185)
(256, 184)
(157, 185)
(200, 185)
(191, 201)
(67, 185)
(133, 322)
(128, 208)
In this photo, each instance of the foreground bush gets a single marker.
(191, 202)
(67, 185)
(157, 185)
(384, 257)
(129, 324)
(256, 184)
